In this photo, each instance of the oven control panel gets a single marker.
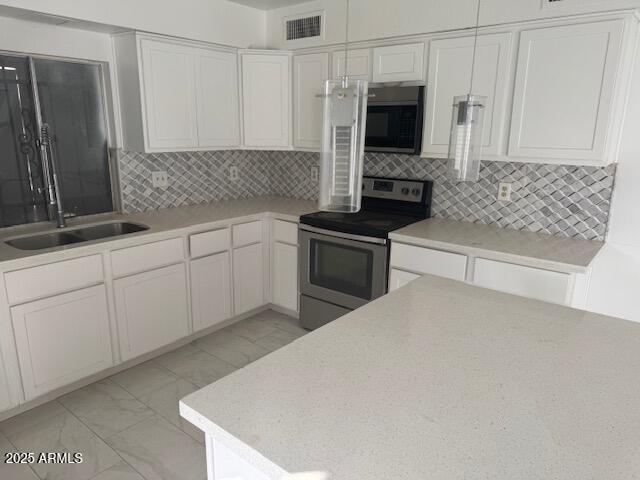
(405, 190)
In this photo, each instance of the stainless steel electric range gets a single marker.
(344, 257)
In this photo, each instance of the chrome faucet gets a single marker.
(52, 182)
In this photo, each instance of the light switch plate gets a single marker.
(160, 179)
(504, 192)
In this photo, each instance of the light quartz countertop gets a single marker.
(160, 223)
(539, 250)
(439, 380)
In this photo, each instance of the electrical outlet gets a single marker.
(160, 179)
(314, 174)
(233, 173)
(504, 192)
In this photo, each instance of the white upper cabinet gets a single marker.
(217, 98)
(176, 95)
(358, 63)
(309, 73)
(398, 63)
(565, 93)
(266, 89)
(169, 95)
(450, 76)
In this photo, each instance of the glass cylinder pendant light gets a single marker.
(342, 155)
(467, 129)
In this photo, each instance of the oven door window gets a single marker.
(341, 268)
(391, 126)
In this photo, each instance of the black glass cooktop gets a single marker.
(368, 223)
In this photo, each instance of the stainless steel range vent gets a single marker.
(303, 27)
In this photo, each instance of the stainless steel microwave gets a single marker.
(394, 120)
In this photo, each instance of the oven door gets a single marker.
(342, 269)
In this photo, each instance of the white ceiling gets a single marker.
(269, 4)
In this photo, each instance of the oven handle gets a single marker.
(346, 236)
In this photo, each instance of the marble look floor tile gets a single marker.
(120, 471)
(282, 322)
(233, 349)
(160, 451)
(197, 367)
(143, 378)
(31, 418)
(164, 402)
(106, 408)
(65, 433)
(252, 328)
(13, 471)
(277, 340)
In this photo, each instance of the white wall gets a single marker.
(215, 21)
(615, 280)
(375, 19)
(39, 39)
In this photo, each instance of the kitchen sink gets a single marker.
(47, 240)
(76, 235)
(106, 230)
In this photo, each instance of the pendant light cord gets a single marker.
(475, 47)
(346, 46)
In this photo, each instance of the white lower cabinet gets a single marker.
(210, 290)
(284, 275)
(399, 278)
(152, 310)
(248, 278)
(428, 261)
(62, 339)
(530, 282)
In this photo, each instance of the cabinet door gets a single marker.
(359, 64)
(564, 91)
(217, 98)
(169, 95)
(62, 339)
(248, 278)
(399, 278)
(309, 73)
(265, 100)
(284, 275)
(450, 75)
(398, 63)
(152, 310)
(210, 290)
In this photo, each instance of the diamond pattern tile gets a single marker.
(562, 200)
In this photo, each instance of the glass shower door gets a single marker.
(22, 197)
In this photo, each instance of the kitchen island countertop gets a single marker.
(438, 380)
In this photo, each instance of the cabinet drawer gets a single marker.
(426, 260)
(207, 243)
(146, 257)
(286, 232)
(247, 233)
(519, 280)
(47, 280)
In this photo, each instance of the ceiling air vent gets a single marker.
(301, 27)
